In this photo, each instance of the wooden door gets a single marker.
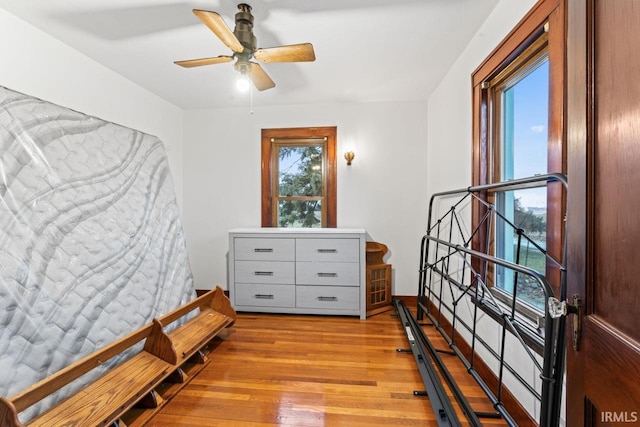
(603, 143)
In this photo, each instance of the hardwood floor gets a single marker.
(292, 370)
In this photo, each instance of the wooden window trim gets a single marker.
(267, 168)
(529, 29)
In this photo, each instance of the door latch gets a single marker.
(559, 308)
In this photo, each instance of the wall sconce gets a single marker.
(349, 155)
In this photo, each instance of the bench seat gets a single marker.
(105, 400)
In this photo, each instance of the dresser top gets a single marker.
(274, 230)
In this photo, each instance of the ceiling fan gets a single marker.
(242, 42)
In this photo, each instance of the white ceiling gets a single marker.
(366, 50)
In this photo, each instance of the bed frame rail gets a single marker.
(456, 292)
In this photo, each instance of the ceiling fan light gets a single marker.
(243, 84)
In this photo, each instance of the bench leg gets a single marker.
(198, 358)
(150, 400)
(177, 377)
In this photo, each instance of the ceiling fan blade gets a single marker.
(220, 29)
(260, 78)
(291, 53)
(204, 61)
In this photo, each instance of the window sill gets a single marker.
(528, 312)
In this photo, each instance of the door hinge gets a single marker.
(559, 308)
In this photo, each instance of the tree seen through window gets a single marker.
(300, 185)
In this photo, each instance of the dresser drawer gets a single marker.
(282, 272)
(328, 273)
(265, 295)
(341, 250)
(249, 248)
(328, 297)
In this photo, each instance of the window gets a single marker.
(518, 133)
(298, 177)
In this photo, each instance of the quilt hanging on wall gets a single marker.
(91, 241)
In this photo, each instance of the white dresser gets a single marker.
(298, 270)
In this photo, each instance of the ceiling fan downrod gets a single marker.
(244, 28)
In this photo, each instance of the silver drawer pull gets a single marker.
(327, 298)
(327, 274)
(263, 296)
(261, 250)
(263, 273)
(327, 251)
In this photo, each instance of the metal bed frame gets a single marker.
(451, 273)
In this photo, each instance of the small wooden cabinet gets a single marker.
(310, 271)
(378, 279)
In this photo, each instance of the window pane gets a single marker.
(525, 116)
(524, 209)
(300, 171)
(523, 153)
(300, 213)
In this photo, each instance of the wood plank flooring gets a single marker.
(291, 370)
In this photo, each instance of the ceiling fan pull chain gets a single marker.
(251, 100)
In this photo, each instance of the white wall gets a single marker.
(449, 106)
(36, 64)
(384, 191)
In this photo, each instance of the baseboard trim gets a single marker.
(408, 300)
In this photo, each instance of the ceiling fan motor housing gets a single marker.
(244, 28)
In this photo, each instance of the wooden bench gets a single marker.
(147, 380)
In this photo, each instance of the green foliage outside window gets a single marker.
(531, 223)
(534, 226)
(300, 186)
